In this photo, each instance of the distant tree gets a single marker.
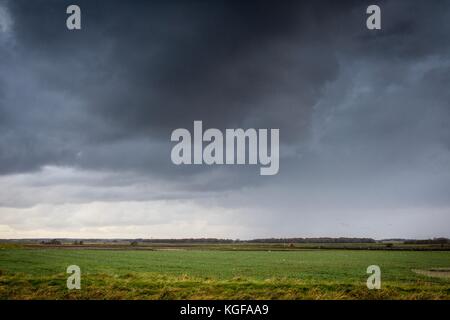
(134, 243)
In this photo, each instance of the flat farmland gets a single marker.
(40, 273)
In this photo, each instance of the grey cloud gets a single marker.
(135, 73)
(148, 69)
(363, 115)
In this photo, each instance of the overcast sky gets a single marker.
(86, 118)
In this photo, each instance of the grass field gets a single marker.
(217, 274)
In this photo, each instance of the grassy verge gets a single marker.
(130, 274)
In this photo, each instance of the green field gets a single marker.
(220, 274)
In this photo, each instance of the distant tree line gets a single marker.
(313, 240)
(265, 240)
(429, 241)
(188, 240)
(325, 240)
(52, 242)
(59, 242)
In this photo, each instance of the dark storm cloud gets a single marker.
(149, 68)
(109, 96)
